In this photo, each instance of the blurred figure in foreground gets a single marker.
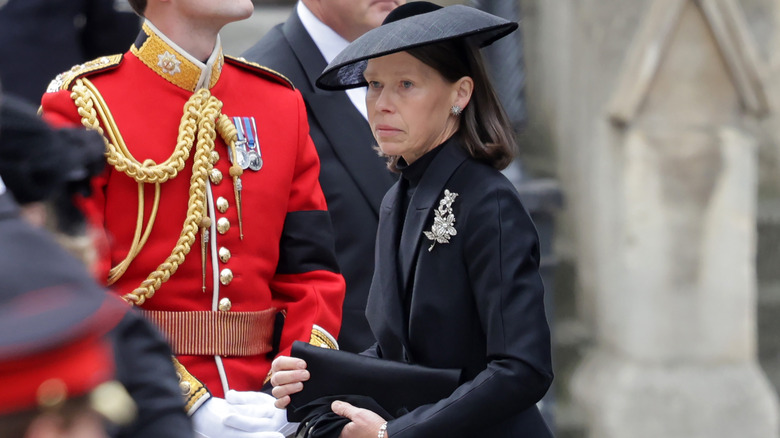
(57, 365)
(45, 169)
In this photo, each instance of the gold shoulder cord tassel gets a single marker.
(235, 172)
(228, 132)
(198, 121)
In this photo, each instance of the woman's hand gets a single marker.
(287, 377)
(365, 423)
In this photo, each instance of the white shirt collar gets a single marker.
(330, 44)
(2, 186)
(327, 40)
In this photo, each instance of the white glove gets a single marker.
(214, 418)
(256, 411)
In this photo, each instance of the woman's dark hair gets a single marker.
(483, 125)
(139, 6)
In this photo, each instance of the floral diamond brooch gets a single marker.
(443, 221)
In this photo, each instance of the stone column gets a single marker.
(670, 175)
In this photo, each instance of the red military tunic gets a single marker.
(285, 259)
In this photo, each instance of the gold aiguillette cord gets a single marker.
(228, 131)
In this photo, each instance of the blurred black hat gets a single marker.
(39, 163)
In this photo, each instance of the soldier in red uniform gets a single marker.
(215, 224)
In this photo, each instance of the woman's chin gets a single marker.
(386, 148)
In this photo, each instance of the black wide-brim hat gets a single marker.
(412, 25)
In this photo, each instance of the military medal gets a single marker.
(242, 158)
(255, 158)
(255, 162)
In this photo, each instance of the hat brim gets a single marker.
(458, 21)
(48, 297)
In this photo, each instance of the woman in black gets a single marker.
(456, 283)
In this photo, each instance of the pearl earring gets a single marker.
(455, 110)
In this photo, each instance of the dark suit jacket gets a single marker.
(353, 177)
(476, 302)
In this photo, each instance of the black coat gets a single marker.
(353, 177)
(476, 302)
(41, 38)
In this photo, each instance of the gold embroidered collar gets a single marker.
(171, 62)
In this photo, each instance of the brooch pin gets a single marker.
(443, 221)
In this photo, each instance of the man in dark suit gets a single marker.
(353, 177)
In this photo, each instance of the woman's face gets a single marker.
(409, 105)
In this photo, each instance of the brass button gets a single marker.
(216, 176)
(223, 225)
(226, 276)
(214, 157)
(185, 388)
(224, 254)
(225, 305)
(222, 204)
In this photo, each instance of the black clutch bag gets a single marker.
(397, 387)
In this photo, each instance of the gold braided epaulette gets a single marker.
(264, 71)
(64, 80)
(193, 391)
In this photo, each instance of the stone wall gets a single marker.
(654, 109)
